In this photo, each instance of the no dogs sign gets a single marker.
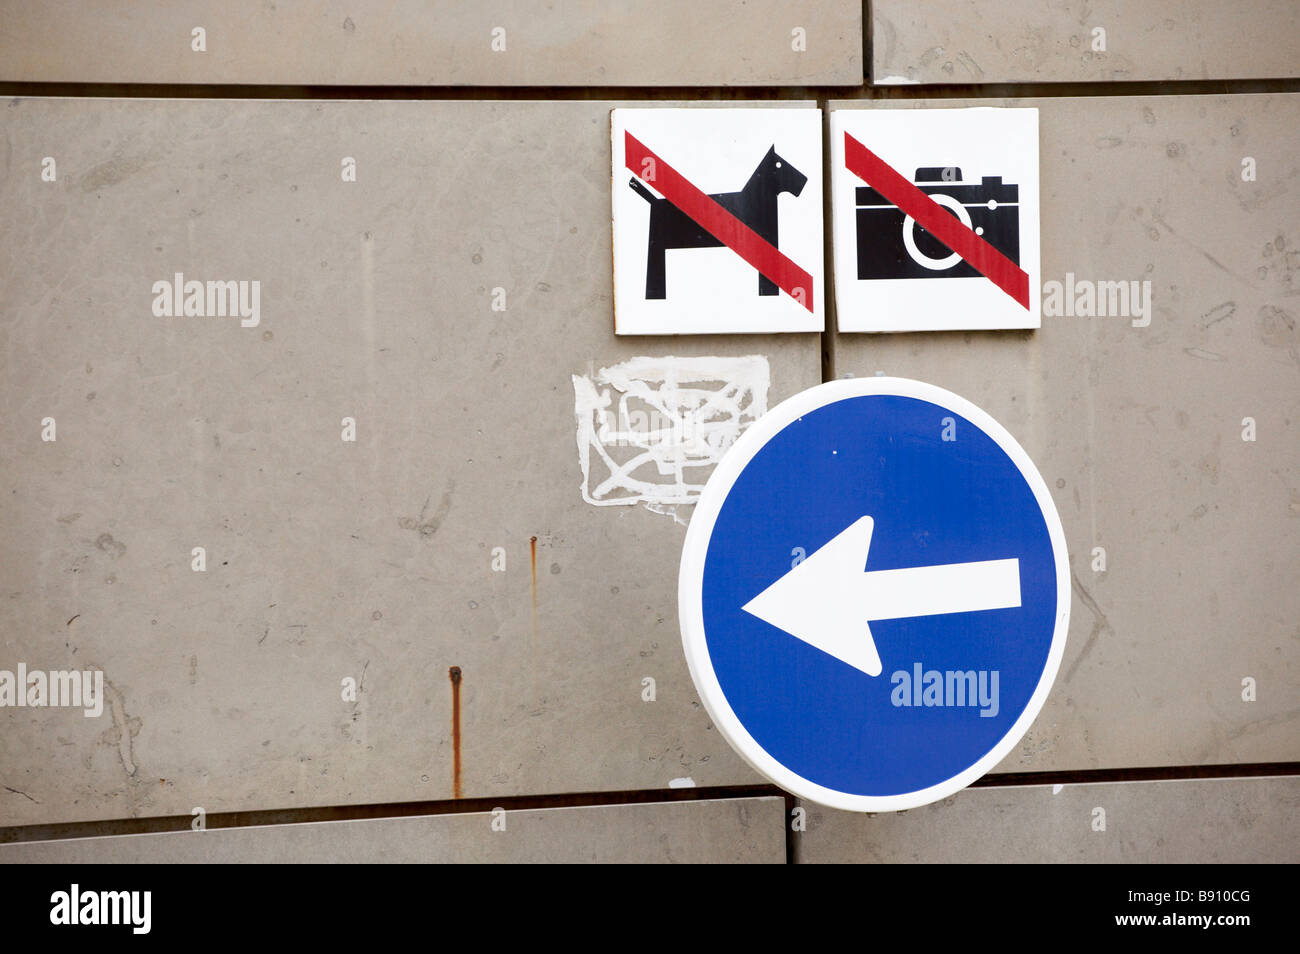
(717, 220)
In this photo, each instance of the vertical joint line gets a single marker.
(828, 255)
(866, 43)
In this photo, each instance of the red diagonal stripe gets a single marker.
(721, 224)
(936, 220)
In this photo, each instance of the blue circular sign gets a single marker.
(874, 594)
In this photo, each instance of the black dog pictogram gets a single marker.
(755, 205)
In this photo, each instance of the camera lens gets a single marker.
(909, 235)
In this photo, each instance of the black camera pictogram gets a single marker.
(892, 245)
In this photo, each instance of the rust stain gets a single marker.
(532, 548)
(454, 674)
(532, 544)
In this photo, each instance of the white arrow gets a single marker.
(828, 600)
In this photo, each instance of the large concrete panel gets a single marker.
(376, 560)
(441, 43)
(1028, 41)
(731, 831)
(1138, 431)
(1207, 821)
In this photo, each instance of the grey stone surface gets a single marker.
(1207, 821)
(373, 560)
(731, 831)
(326, 560)
(1026, 41)
(439, 43)
(1138, 430)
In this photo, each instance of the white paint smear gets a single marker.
(650, 430)
(687, 782)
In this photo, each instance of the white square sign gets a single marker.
(935, 218)
(717, 220)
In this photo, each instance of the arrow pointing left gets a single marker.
(828, 600)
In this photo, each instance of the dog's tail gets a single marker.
(639, 188)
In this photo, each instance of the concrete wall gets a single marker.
(1138, 430)
(729, 831)
(1205, 821)
(443, 43)
(446, 299)
(329, 559)
(1028, 41)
